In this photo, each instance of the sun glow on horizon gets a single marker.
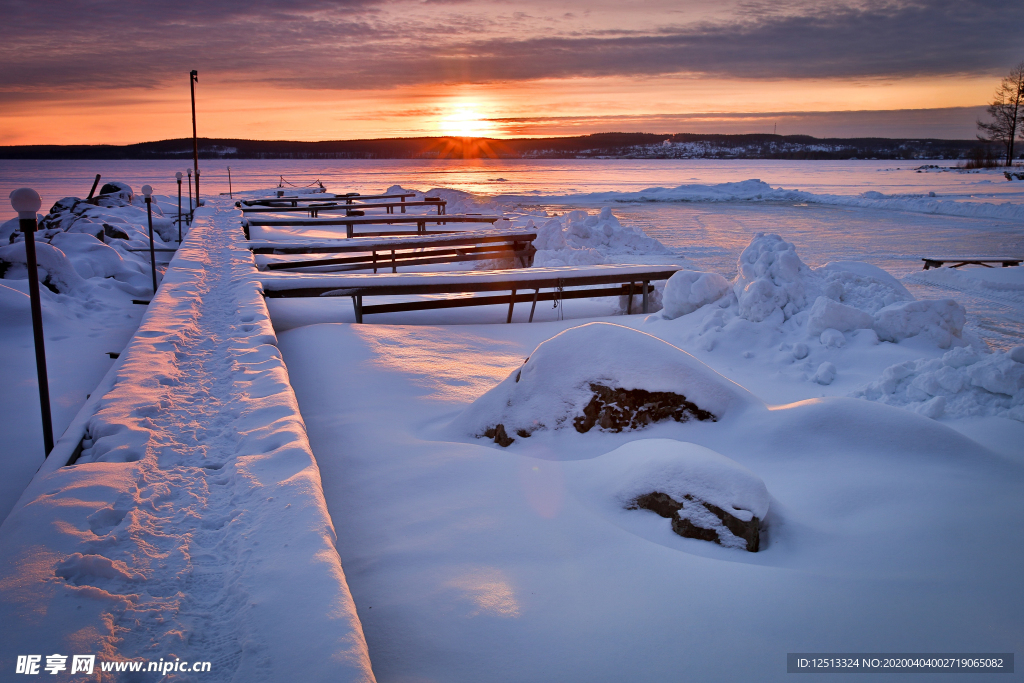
(467, 122)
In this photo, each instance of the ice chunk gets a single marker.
(688, 290)
(826, 374)
(826, 313)
(940, 320)
(832, 339)
(970, 384)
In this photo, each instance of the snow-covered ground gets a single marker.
(858, 414)
(462, 553)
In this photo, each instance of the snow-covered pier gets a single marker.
(193, 524)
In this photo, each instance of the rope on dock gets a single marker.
(284, 182)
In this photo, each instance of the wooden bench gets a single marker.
(958, 261)
(350, 223)
(470, 245)
(293, 200)
(350, 209)
(630, 280)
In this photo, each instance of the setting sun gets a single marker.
(465, 122)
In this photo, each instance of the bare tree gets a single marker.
(1006, 111)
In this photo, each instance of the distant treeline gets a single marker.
(623, 145)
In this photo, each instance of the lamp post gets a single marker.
(148, 191)
(193, 78)
(230, 193)
(191, 206)
(178, 176)
(26, 202)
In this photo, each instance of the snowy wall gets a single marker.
(193, 524)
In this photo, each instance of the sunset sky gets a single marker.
(80, 71)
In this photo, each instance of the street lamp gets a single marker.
(148, 191)
(26, 202)
(191, 207)
(178, 176)
(193, 78)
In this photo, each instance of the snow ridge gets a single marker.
(193, 524)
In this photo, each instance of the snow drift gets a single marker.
(577, 378)
(706, 489)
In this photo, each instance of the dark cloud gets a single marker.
(368, 43)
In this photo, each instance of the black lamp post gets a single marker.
(178, 176)
(191, 206)
(193, 78)
(148, 191)
(26, 202)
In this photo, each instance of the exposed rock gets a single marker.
(618, 409)
(65, 204)
(114, 232)
(685, 514)
(94, 229)
(497, 432)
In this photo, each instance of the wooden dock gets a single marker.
(957, 261)
(629, 280)
(350, 222)
(392, 252)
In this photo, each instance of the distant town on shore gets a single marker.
(602, 145)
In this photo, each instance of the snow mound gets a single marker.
(696, 479)
(58, 273)
(940, 320)
(563, 376)
(688, 290)
(962, 383)
(772, 278)
(678, 469)
(579, 238)
(861, 285)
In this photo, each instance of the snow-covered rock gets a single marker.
(556, 384)
(688, 290)
(704, 493)
(58, 273)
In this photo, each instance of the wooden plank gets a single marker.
(439, 205)
(524, 280)
(356, 244)
(936, 262)
(370, 220)
(418, 257)
(464, 302)
(321, 197)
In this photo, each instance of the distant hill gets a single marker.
(620, 145)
